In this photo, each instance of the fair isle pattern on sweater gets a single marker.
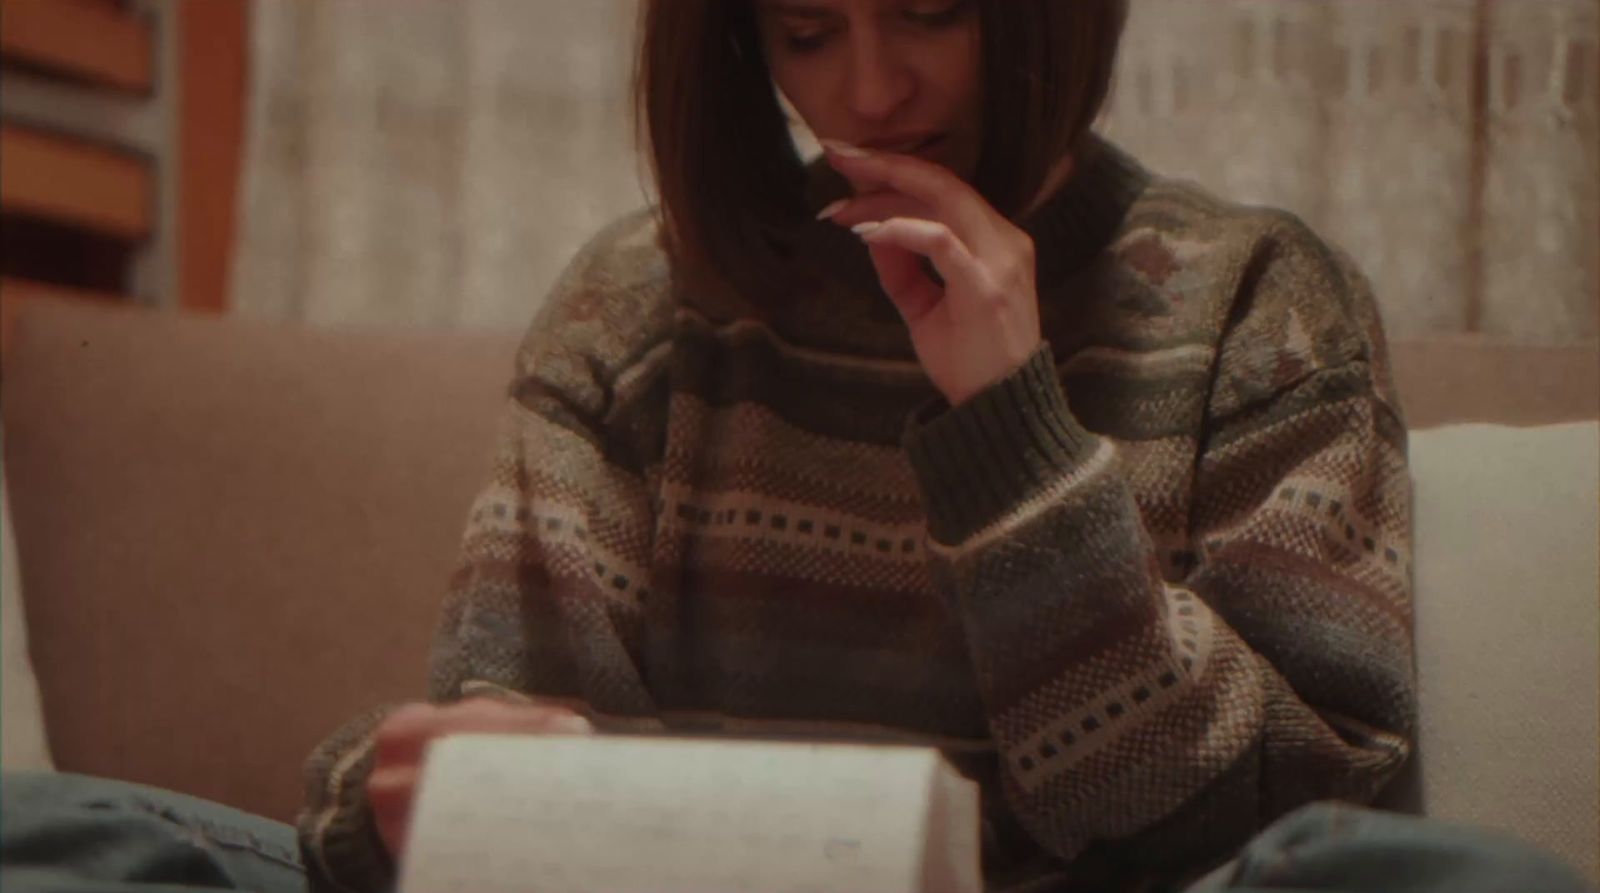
(1152, 595)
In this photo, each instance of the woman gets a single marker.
(797, 452)
(972, 433)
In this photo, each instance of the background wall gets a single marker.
(423, 163)
(1450, 145)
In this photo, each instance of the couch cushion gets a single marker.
(1508, 628)
(1471, 378)
(22, 738)
(236, 535)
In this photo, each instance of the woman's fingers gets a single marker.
(981, 321)
(391, 788)
(401, 740)
(391, 792)
(901, 272)
(905, 280)
(901, 275)
(404, 736)
(950, 199)
(873, 208)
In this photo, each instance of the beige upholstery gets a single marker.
(1508, 620)
(1471, 379)
(236, 536)
(22, 736)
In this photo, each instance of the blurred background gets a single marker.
(432, 163)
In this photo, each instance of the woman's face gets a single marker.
(899, 75)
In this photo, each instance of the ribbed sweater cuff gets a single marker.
(338, 832)
(356, 855)
(978, 461)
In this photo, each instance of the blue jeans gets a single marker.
(61, 833)
(1335, 848)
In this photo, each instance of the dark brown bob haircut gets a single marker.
(727, 173)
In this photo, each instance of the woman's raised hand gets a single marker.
(982, 323)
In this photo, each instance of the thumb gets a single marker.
(904, 277)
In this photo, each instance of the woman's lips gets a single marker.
(929, 148)
(923, 147)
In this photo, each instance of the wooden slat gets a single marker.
(75, 183)
(91, 39)
(15, 292)
(212, 42)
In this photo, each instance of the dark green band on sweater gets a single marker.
(979, 460)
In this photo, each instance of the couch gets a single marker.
(232, 536)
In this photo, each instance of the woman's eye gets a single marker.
(805, 34)
(938, 15)
(807, 42)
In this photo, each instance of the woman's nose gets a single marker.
(879, 83)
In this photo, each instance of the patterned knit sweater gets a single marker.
(1151, 591)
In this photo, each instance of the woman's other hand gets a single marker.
(402, 740)
(982, 323)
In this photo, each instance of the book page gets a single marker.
(952, 858)
(678, 815)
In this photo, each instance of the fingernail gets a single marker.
(866, 229)
(828, 212)
(573, 725)
(845, 149)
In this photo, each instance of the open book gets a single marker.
(564, 814)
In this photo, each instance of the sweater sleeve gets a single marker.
(546, 600)
(1172, 710)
